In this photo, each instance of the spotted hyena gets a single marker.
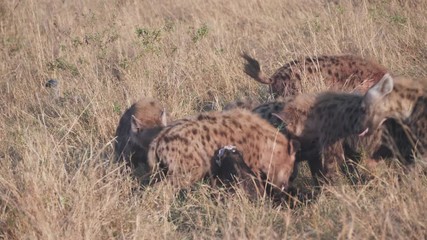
(137, 128)
(402, 133)
(184, 151)
(321, 122)
(344, 73)
(397, 107)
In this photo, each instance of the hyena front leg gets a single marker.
(332, 160)
(316, 168)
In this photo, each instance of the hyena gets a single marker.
(137, 128)
(321, 122)
(344, 73)
(184, 151)
(397, 107)
(405, 112)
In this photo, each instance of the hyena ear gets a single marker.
(164, 118)
(379, 90)
(281, 121)
(294, 146)
(136, 124)
(279, 117)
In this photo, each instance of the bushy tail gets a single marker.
(253, 69)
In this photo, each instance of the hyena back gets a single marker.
(244, 103)
(137, 128)
(343, 73)
(185, 150)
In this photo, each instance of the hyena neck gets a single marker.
(143, 138)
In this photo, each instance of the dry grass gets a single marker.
(55, 178)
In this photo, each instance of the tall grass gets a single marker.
(57, 179)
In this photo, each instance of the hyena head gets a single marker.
(147, 122)
(376, 105)
(282, 175)
(137, 127)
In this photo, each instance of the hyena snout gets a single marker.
(281, 179)
(374, 104)
(284, 171)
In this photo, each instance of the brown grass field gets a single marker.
(57, 179)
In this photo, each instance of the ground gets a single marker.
(57, 179)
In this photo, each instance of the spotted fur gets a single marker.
(402, 134)
(321, 122)
(418, 125)
(408, 137)
(184, 151)
(244, 103)
(343, 73)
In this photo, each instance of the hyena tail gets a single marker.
(253, 69)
